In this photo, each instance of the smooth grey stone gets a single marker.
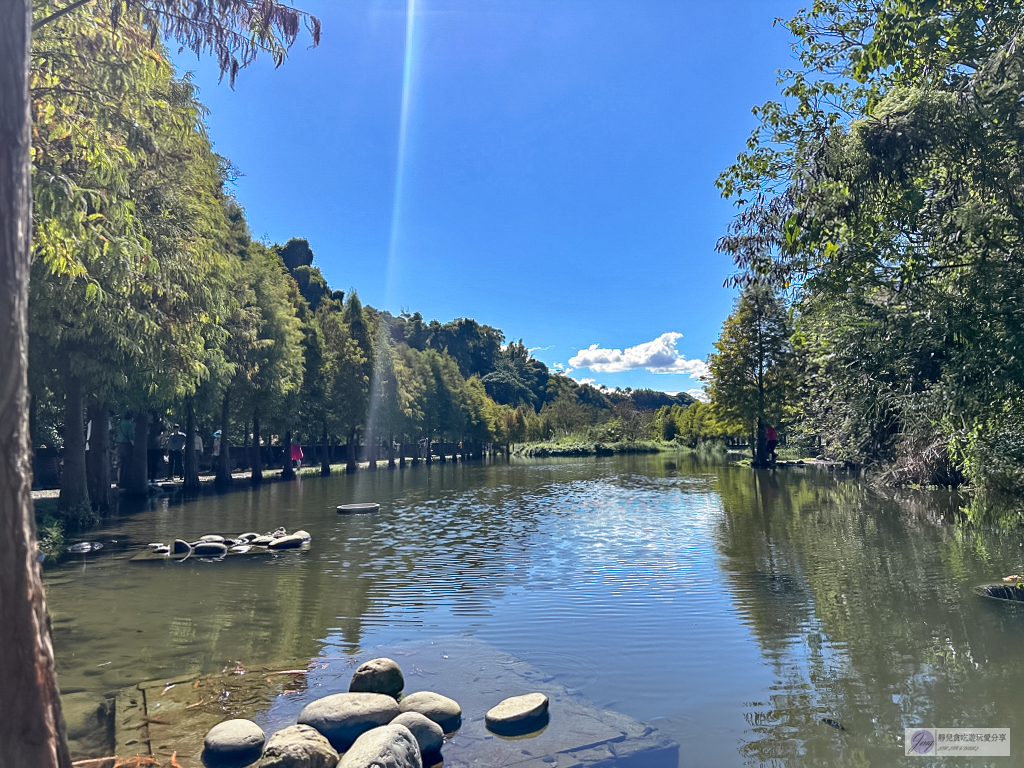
(209, 549)
(180, 547)
(298, 746)
(343, 717)
(378, 676)
(304, 535)
(287, 542)
(444, 711)
(428, 734)
(212, 537)
(261, 541)
(390, 746)
(518, 714)
(233, 742)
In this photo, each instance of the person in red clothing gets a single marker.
(296, 455)
(771, 440)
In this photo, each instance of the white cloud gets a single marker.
(658, 356)
(699, 394)
(584, 381)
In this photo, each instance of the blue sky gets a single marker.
(543, 166)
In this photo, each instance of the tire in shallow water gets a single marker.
(209, 549)
(1009, 592)
(358, 509)
(287, 542)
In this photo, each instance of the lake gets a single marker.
(733, 609)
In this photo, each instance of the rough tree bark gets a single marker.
(31, 724)
(223, 479)
(257, 459)
(74, 487)
(191, 482)
(287, 473)
(97, 458)
(325, 460)
(138, 469)
(350, 453)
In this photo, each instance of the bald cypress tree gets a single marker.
(234, 31)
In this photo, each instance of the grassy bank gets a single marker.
(573, 447)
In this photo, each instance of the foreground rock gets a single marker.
(428, 734)
(518, 714)
(298, 746)
(391, 746)
(344, 717)
(444, 711)
(233, 743)
(378, 676)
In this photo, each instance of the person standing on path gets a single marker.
(175, 455)
(771, 440)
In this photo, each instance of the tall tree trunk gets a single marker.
(246, 463)
(74, 488)
(350, 452)
(287, 473)
(138, 471)
(391, 452)
(760, 447)
(257, 459)
(191, 482)
(98, 456)
(371, 454)
(31, 724)
(223, 479)
(325, 459)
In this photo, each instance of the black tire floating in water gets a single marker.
(358, 509)
(1008, 592)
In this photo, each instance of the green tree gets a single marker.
(31, 725)
(275, 363)
(886, 189)
(751, 374)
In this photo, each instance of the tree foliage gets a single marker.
(885, 190)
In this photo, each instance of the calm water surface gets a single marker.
(732, 609)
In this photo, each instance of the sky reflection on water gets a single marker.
(732, 609)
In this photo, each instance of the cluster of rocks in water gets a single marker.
(213, 545)
(371, 726)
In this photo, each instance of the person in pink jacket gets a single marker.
(771, 440)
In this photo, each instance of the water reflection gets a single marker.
(863, 605)
(734, 609)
